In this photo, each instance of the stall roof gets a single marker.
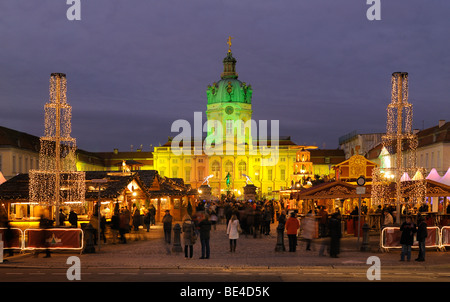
(17, 188)
(341, 190)
(333, 190)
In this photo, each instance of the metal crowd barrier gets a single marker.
(17, 238)
(53, 239)
(390, 238)
(445, 236)
(42, 239)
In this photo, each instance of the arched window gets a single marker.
(215, 169)
(242, 169)
(229, 167)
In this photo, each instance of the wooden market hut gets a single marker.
(141, 188)
(167, 194)
(137, 188)
(332, 195)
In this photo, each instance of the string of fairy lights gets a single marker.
(57, 181)
(400, 181)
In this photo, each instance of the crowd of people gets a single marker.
(251, 218)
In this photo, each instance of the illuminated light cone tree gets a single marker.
(392, 175)
(57, 182)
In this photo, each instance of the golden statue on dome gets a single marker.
(229, 43)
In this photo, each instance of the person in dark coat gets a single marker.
(115, 226)
(44, 224)
(148, 220)
(188, 228)
(282, 219)
(103, 228)
(73, 219)
(9, 238)
(62, 217)
(408, 228)
(124, 225)
(422, 235)
(136, 219)
(335, 235)
(205, 230)
(152, 211)
(267, 218)
(257, 222)
(167, 226)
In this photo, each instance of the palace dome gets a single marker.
(229, 88)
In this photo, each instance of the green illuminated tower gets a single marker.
(230, 104)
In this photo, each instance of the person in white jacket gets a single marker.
(233, 232)
(308, 229)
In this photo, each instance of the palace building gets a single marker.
(269, 164)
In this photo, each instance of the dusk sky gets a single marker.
(320, 67)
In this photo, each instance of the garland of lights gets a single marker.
(57, 181)
(404, 177)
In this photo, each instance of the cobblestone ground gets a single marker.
(148, 250)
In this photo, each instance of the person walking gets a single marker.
(123, 227)
(44, 224)
(267, 218)
(103, 228)
(308, 229)
(388, 219)
(292, 226)
(62, 217)
(152, 211)
(115, 224)
(189, 236)
(136, 219)
(205, 231)
(422, 235)
(167, 226)
(335, 235)
(323, 221)
(408, 228)
(8, 239)
(233, 232)
(147, 220)
(94, 222)
(282, 219)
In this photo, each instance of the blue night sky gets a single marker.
(134, 67)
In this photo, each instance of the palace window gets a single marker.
(256, 173)
(187, 175)
(201, 173)
(215, 169)
(242, 168)
(229, 166)
(230, 126)
(175, 172)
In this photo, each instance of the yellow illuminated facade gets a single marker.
(251, 160)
